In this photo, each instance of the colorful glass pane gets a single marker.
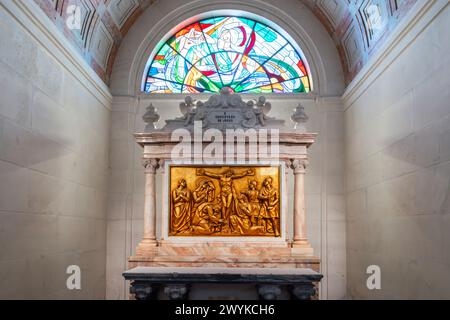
(234, 52)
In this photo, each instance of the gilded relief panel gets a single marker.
(224, 201)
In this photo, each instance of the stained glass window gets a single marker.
(240, 53)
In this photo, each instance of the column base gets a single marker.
(302, 247)
(147, 247)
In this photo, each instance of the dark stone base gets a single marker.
(147, 282)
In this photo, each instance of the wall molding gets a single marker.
(30, 16)
(406, 32)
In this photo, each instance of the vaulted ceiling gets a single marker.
(357, 27)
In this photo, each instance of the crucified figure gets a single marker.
(226, 188)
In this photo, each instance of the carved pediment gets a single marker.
(224, 111)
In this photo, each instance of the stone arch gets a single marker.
(298, 21)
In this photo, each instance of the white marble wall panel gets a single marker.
(53, 170)
(398, 173)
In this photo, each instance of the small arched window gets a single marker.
(227, 51)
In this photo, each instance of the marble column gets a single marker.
(285, 198)
(149, 239)
(165, 193)
(300, 238)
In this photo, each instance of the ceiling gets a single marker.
(357, 27)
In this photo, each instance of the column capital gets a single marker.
(162, 165)
(299, 165)
(150, 165)
(287, 165)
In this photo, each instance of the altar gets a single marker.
(224, 164)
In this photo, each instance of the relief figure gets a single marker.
(252, 195)
(204, 192)
(269, 214)
(206, 219)
(205, 210)
(181, 201)
(241, 219)
(226, 188)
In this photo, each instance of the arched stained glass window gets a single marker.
(226, 51)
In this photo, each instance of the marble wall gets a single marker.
(53, 166)
(398, 168)
(325, 197)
